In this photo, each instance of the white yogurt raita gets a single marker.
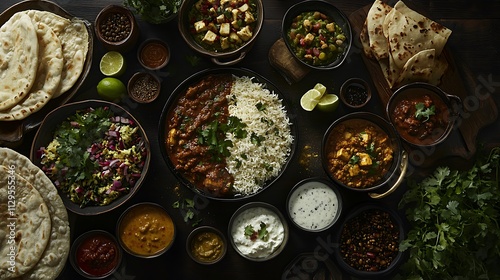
(257, 248)
(313, 206)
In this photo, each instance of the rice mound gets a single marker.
(252, 162)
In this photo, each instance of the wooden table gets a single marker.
(474, 44)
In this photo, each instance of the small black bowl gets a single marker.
(198, 235)
(355, 93)
(329, 10)
(360, 220)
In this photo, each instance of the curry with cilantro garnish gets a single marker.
(359, 153)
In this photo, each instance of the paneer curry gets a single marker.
(359, 153)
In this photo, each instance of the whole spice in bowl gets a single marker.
(355, 93)
(144, 87)
(116, 28)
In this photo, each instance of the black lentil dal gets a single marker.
(370, 241)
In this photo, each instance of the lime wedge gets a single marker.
(320, 87)
(112, 64)
(328, 102)
(309, 100)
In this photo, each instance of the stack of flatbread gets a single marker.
(41, 58)
(34, 227)
(406, 44)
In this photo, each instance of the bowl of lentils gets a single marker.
(369, 241)
(116, 28)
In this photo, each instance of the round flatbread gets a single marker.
(50, 67)
(74, 41)
(18, 59)
(24, 227)
(374, 23)
(56, 252)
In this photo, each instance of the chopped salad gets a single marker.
(95, 156)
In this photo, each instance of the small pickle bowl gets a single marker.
(314, 204)
(95, 254)
(137, 242)
(153, 54)
(144, 87)
(423, 114)
(362, 152)
(116, 28)
(369, 241)
(258, 231)
(206, 245)
(333, 24)
(355, 93)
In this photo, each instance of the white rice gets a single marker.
(252, 164)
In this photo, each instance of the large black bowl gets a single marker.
(331, 11)
(45, 135)
(172, 101)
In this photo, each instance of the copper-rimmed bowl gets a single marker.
(423, 131)
(327, 9)
(223, 58)
(128, 27)
(385, 179)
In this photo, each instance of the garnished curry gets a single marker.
(359, 153)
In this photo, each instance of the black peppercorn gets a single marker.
(115, 28)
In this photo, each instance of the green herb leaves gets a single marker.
(454, 214)
(261, 234)
(188, 210)
(424, 112)
(213, 135)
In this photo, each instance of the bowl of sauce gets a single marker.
(422, 113)
(153, 54)
(314, 204)
(355, 93)
(146, 230)
(258, 231)
(95, 254)
(206, 245)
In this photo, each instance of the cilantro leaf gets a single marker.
(424, 112)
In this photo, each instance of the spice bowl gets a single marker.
(95, 254)
(355, 93)
(142, 223)
(369, 241)
(314, 204)
(116, 28)
(144, 87)
(258, 231)
(206, 245)
(153, 54)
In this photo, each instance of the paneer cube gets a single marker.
(210, 37)
(243, 8)
(249, 17)
(245, 33)
(225, 29)
(222, 2)
(200, 26)
(354, 170)
(221, 18)
(235, 24)
(308, 39)
(235, 13)
(343, 154)
(330, 27)
(233, 37)
(365, 137)
(224, 42)
(364, 159)
(212, 27)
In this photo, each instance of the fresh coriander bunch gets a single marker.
(454, 218)
(155, 11)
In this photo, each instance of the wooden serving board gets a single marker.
(478, 111)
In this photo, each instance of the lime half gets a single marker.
(111, 89)
(112, 64)
(328, 103)
(310, 99)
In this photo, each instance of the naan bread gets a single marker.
(365, 41)
(407, 38)
(74, 41)
(18, 59)
(50, 66)
(32, 225)
(56, 253)
(374, 22)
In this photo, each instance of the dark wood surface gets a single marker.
(474, 43)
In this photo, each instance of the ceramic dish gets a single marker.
(108, 21)
(330, 11)
(45, 135)
(12, 132)
(206, 245)
(165, 136)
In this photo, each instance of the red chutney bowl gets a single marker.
(95, 254)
